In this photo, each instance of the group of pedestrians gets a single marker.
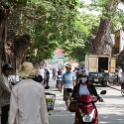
(24, 102)
(72, 86)
(45, 74)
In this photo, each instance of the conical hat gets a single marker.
(27, 70)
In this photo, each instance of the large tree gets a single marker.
(8, 9)
(52, 29)
(102, 43)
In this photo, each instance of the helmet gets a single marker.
(7, 67)
(83, 73)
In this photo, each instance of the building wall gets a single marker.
(119, 41)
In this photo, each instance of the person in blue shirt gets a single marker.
(68, 82)
(53, 73)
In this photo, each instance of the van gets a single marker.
(99, 67)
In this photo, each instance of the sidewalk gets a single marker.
(115, 87)
(59, 115)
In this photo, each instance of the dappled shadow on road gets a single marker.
(109, 113)
(111, 118)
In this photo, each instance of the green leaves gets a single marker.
(55, 25)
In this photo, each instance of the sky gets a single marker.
(120, 6)
(88, 2)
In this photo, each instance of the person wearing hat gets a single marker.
(5, 92)
(27, 101)
(68, 81)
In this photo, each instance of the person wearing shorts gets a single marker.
(68, 82)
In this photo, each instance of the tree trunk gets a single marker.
(18, 49)
(99, 42)
(3, 35)
(102, 44)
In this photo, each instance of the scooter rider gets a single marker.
(84, 87)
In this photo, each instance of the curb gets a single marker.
(114, 88)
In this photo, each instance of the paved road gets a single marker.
(110, 112)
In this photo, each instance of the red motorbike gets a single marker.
(86, 111)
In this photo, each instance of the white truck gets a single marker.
(99, 67)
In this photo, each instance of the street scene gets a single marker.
(110, 112)
(61, 61)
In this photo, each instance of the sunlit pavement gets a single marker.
(59, 115)
(110, 112)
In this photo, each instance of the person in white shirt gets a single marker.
(27, 102)
(119, 73)
(42, 72)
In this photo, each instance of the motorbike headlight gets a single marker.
(87, 117)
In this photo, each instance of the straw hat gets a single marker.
(27, 70)
(68, 66)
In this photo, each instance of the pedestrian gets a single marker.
(119, 74)
(54, 73)
(76, 73)
(59, 78)
(27, 102)
(5, 91)
(68, 81)
(47, 77)
(42, 73)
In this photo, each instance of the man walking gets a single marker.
(5, 92)
(27, 102)
(68, 81)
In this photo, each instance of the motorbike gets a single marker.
(86, 111)
(113, 79)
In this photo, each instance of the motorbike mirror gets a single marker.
(103, 92)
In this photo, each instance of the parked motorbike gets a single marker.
(86, 111)
(113, 79)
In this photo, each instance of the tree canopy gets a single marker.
(53, 24)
